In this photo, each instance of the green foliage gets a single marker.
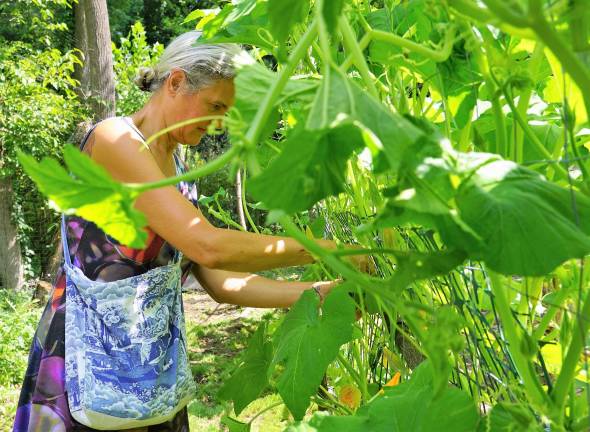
(312, 165)
(39, 107)
(250, 379)
(164, 20)
(411, 406)
(132, 53)
(252, 83)
(508, 207)
(307, 342)
(38, 114)
(283, 16)
(18, 321)
(39, 23)
(92, 192)
(242, 21)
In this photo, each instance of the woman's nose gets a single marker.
(218, 123)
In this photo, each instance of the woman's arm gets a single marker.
(246, 289)
(175, 219)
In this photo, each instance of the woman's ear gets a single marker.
(175, 81)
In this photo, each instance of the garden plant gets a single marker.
(447, 139)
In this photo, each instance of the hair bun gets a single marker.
(145, 78)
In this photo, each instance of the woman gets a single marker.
(189, 81)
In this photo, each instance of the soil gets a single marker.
(200, 308)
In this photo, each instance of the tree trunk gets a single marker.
(99, 58)
(11, 264)
(81, 72)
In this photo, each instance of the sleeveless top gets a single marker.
(43, 403)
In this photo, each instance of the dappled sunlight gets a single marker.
(196, 221)
(236, 284)
(278, 247)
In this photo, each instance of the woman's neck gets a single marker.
(150, 120)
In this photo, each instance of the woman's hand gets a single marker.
(322, 288)
(247, 289)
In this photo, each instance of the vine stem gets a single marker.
(568, 369)
(245, 204)
(525, 96)
(517, 19)
(440, 54)
(356, 353)
(536, 21)
(325, 254)
(181, 124)
(253, 134)
(569, 61)
(268, 408)
(467, 8)
(528, 132)
(532, 385)
(362, 45)
(482, 62)
(353, 46)
(203, 171)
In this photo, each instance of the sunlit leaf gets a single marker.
(242, 21)
(331, 10)
(307, 342)
(91, 194)
(311, 167)
(508, 417)
(283, 15)
(529, 225)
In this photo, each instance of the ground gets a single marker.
(217, 333)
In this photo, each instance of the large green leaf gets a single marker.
(311, 167)
(415, 266)
(529, 225)
(91, 194)
(252, 84)
(400, 138)
(251, 378)
(307, 342)
(331, 10)
(507, 417)
(334, 101)
(410, 406)
(339, 99)
(239, 22)
(284, 15)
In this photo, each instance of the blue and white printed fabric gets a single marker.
(125, 353)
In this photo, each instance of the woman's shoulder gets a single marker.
(122, 151)
(114, 130)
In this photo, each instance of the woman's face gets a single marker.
(213, 100)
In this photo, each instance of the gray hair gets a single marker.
(202, 63)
